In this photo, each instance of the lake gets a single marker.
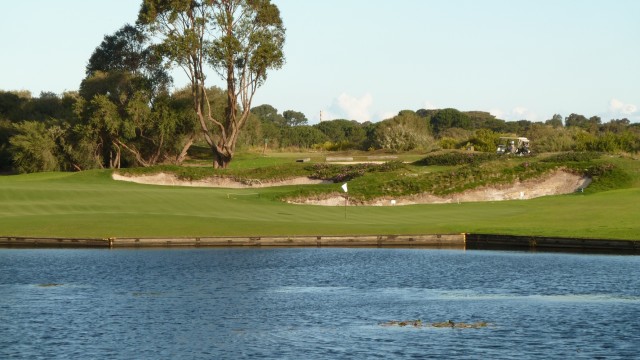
(316, 303)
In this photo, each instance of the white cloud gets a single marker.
(517, 113)
(385, 115)
(498, 113)
(522, 113)
(428, 105)
(620, 108)
(350, 108)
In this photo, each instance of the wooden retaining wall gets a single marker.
(487, 241)
(460, 241)
(53, 242)
(438, 240)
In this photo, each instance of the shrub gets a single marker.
(404, 132)
(573, 157)
(464, 178)
(449, 143)
(547, 138)
(607, 176)
(456, 158)
(485, 140)
(340, 173)
(34, 148)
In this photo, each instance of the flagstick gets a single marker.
(346, 200)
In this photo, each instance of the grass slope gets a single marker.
(90, 204)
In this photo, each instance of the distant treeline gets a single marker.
(97, 127)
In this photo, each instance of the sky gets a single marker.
(366, 60)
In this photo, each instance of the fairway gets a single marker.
(91, 204)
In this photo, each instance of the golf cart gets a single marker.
(513, 145)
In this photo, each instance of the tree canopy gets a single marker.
(448, 118)
(241, 40)
(125, 112)
(126, 103)
(70, 132)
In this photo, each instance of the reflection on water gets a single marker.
(316, 303)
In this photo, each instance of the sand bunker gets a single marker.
(556, 183)
(218, 182)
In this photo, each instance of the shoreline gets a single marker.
(451, 241)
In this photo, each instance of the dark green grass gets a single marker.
(90, 204)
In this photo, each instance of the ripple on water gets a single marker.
(315, 304)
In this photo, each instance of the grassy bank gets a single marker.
(90, 204)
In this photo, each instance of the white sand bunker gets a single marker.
(217, 182)
(556, 183)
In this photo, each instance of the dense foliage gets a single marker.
(241, 40)
(572, 157)
(115, 121)
(126, 114)
(456, 158)
(341, 173)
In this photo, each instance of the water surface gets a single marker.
(321, 303)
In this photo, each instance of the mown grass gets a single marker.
(90, 204)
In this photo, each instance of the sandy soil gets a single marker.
(556, 183)
(172, 180)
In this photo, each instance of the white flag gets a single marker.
(344, 187)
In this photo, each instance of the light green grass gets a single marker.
(90, 204)
(246, 160)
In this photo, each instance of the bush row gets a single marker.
(456, 158)
(573, 157)
(340, 173)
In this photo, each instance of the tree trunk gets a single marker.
(220, 160)
(114, 159)
(136, 154)
(183, 154)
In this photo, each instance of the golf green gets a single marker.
(91, 204)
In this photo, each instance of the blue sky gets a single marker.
(368, 59)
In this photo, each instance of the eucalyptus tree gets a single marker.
(127, 107)
(269, 114)
(295, 118)
(44, 146)
(347, 134)
(241, 40)
(448, 118)
(7, 130)
(555, 121)
(302, 137)
(128, 51)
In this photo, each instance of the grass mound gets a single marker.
(437, 174)
(466, 177)
(404, 180)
